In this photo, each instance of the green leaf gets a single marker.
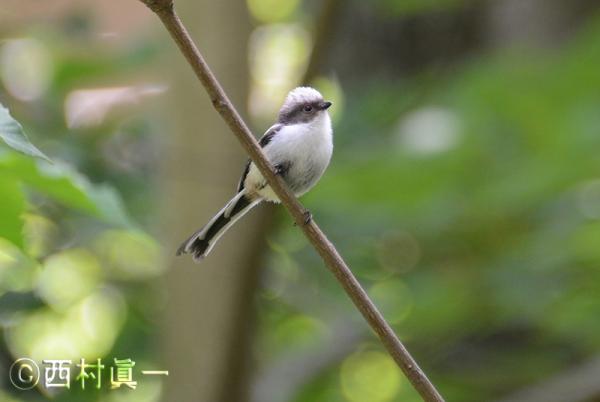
(13, 206)
(109, 204)
(62, 183)
(54, 181)
(12, 134)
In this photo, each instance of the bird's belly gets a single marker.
(307, 158)
(305, 171)
(303, 174)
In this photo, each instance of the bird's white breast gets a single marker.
(307, 147)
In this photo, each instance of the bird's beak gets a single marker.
(324, 105)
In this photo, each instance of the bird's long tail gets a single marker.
(200, 243)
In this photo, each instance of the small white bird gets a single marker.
(299, 146)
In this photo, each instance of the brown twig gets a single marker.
(333, 260)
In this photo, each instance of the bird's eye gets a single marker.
(307, 108)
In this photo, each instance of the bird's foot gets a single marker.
(307, 217)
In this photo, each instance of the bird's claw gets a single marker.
(307, 217)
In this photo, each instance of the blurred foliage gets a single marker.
(270, 11)
(411, 7)
(12, 134)
(468, 205)
(72, 257)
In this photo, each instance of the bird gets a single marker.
(299, 147)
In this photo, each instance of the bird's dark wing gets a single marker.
(244, 174)
(264, 140)
(269, 134)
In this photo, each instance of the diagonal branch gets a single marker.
(333, 260)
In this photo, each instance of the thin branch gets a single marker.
(165, 11)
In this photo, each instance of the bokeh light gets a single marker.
(370, 376)
(429, 130)
(25, 68)
(393, 298)
(90, 107)
(67, 277)
(299, 331)
(269, 11)
(398, 251)
(40, 234)
(85, 330)
(18, 272)
(129, 255)
(278, 55)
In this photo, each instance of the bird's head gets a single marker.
(302, 105)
